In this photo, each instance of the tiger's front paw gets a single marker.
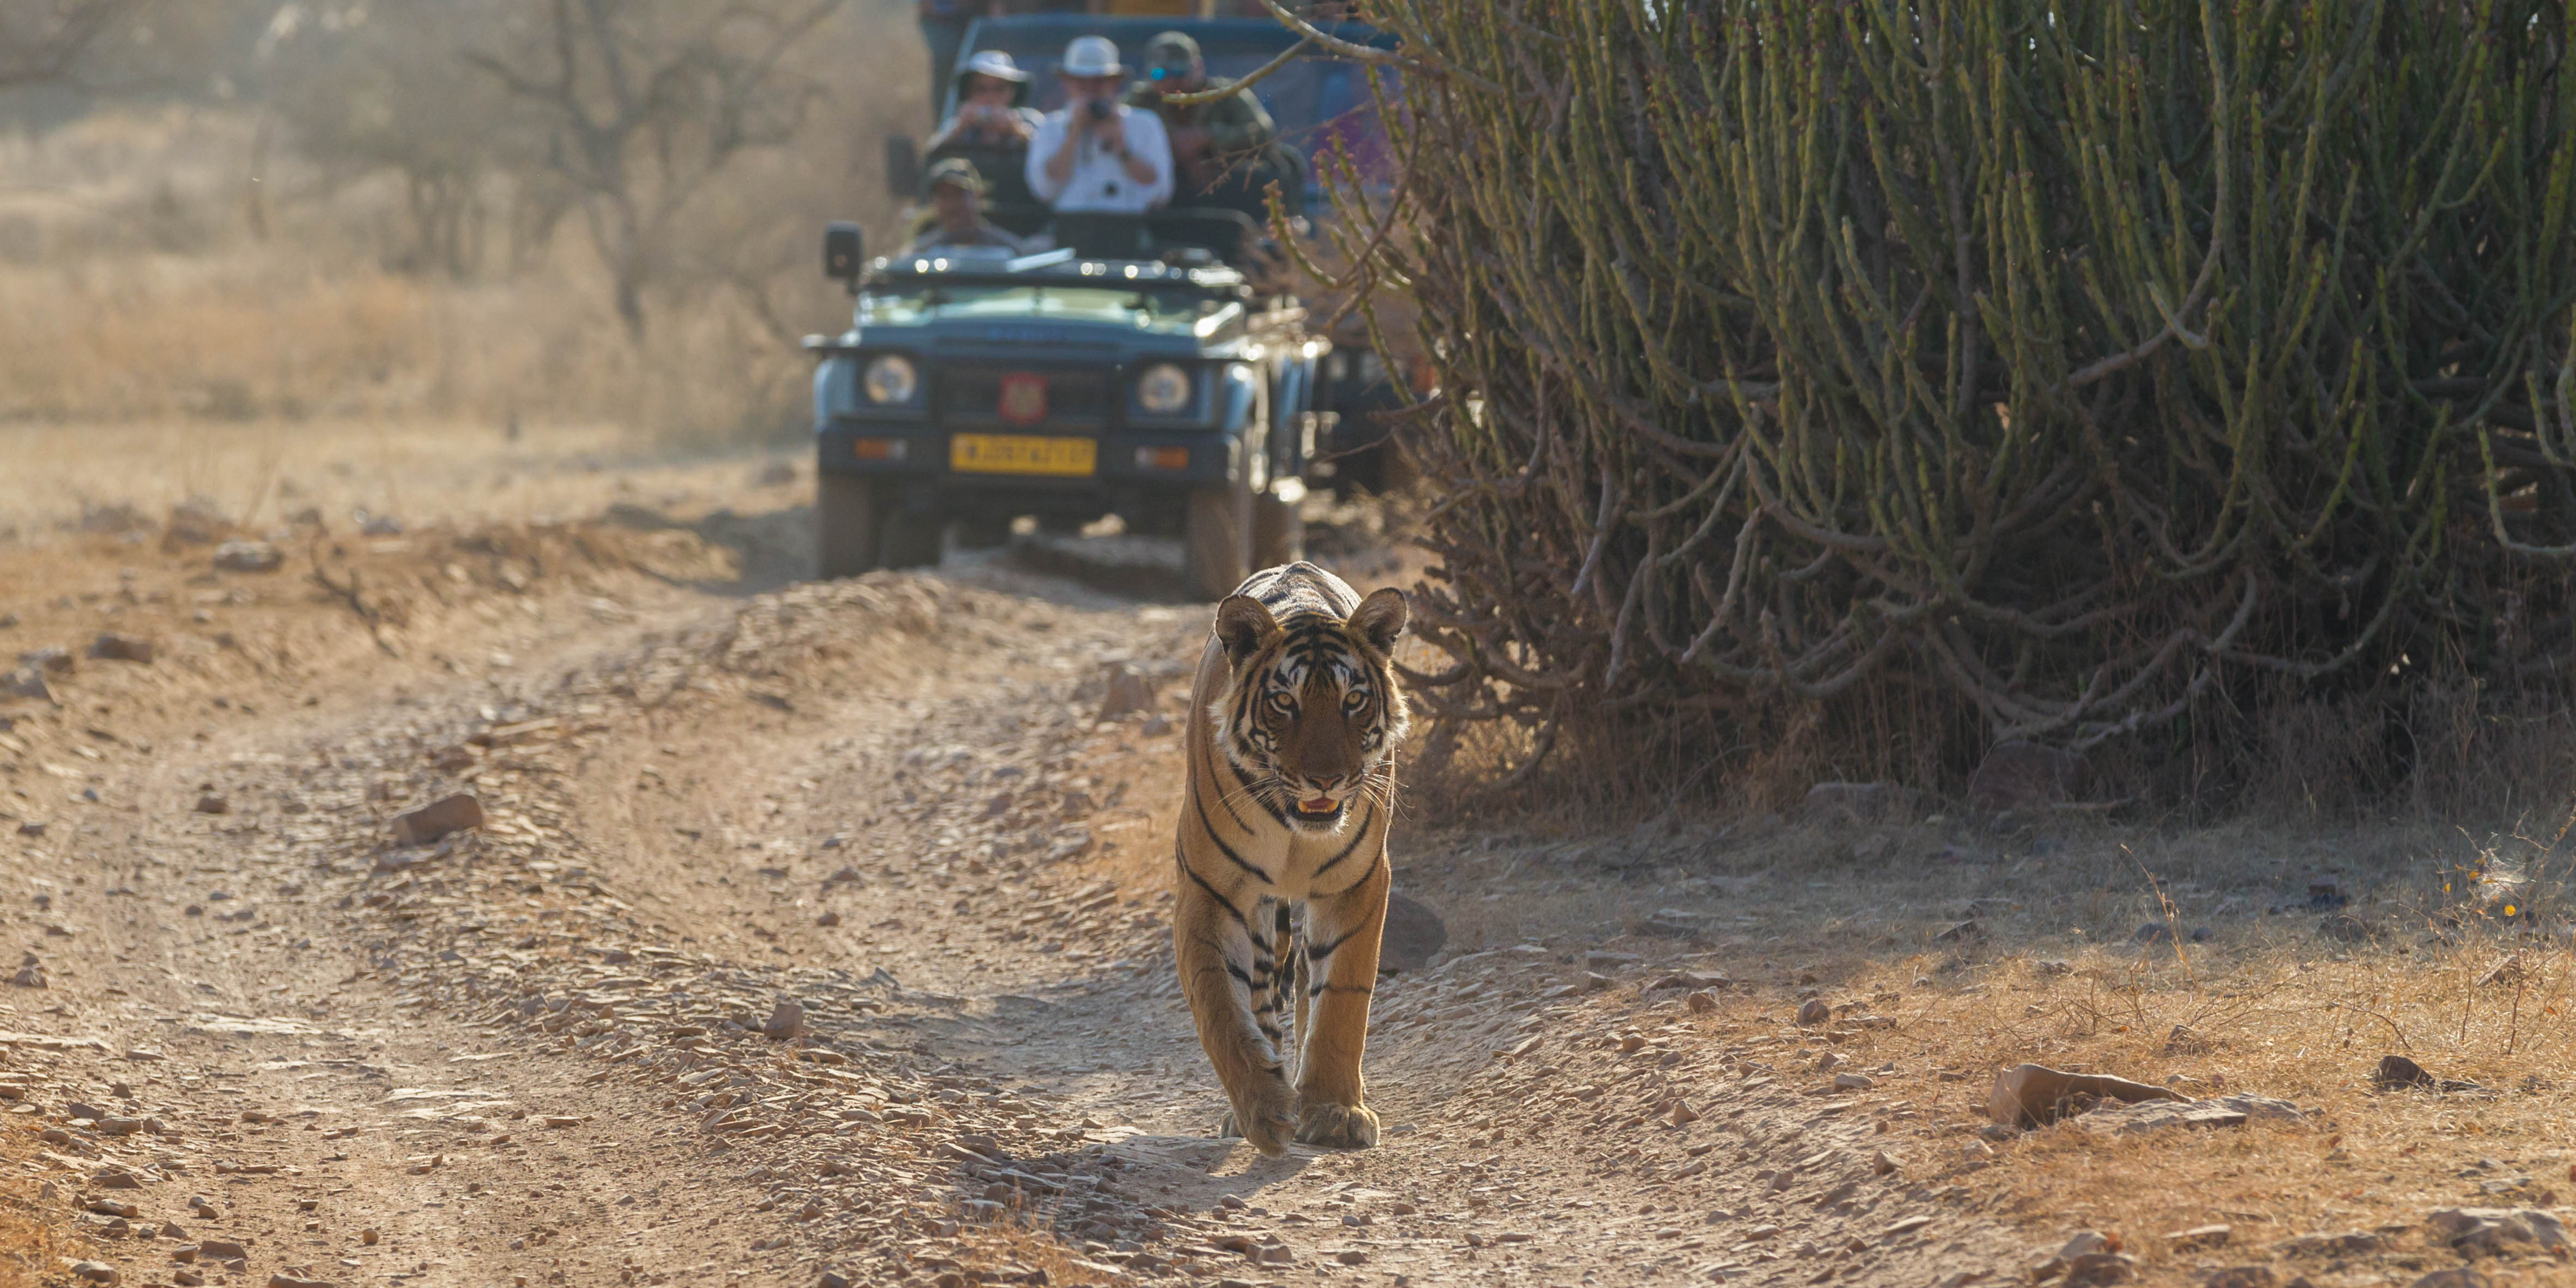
(1337, 1126)
(1270, 1120)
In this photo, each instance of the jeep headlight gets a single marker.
(1163, 389)
(891, 379)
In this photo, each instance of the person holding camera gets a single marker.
(1096, 155)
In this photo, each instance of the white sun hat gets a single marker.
(1092, 56)
(996, 64)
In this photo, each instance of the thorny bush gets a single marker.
(1918, 376)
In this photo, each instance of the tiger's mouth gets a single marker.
(1321, 807)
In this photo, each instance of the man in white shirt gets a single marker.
(1096, 155)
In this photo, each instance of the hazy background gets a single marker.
(587, 217)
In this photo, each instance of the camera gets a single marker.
(1100, 109)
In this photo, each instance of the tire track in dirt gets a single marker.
(993, 1075)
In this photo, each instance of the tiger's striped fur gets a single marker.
(1294, 717)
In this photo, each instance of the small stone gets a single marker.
(1351, 1257)
(1155, 725)
(436, 819)
(2396, 1072)
(1814, 1012)
(26, 682)
(2499, 1230)
(53, 659)
(1854, 1082)
(1683, 1113)
(249, 556)
(283, 1280)
(2154, 932)
(828, 919)
(369, 1236)
(186, 1278)
(2200, 1236)
(31, 973)
(1702, 1002)
(119, 1126)
(1412, 936)
(1691, 979)
(1601, 959)
(1128, 691)
(2096, 1269)
(95, 1272)
(1962, 932)
(786, 1020)
(1882, 1163)
(2241, 1277)
(31, 827)
(2332, 1244)
(561, 1121)
(833, 1279)
(2455, 1277)
(2032, 1095)
(213, 804)
(222, 1249)
(113, 646)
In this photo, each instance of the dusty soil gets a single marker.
(818, 929)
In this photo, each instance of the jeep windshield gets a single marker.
(910, 303)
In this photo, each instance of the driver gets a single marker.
(1096, 155)
(990, 92)
(1209, 138)
(957, 219)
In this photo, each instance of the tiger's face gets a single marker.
(1313, 714)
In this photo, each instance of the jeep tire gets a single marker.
(1278, 532)
(849, 520)
(911, 540)
(1217, 539)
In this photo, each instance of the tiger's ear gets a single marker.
(1243, 625)
(1380, 618)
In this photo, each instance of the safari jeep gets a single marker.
(1138, 370)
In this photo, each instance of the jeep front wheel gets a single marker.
(1217, 555)
(849, 515)
(911, 540)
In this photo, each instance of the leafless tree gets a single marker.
(646, 102)
(41, 40)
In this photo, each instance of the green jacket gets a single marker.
(1236, 124)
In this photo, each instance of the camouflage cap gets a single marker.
(956, 170)
(1172, 49)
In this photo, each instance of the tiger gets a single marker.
(1281, 844)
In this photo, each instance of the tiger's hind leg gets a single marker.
(1342, 932)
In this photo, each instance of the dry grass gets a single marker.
(2266, 1003)
(136, 283)
(36, 1233)
(262, 472)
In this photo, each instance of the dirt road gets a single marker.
(814, 932)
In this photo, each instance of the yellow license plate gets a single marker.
(1022, 454)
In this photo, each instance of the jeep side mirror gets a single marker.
(902, 168)
(842, 257)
